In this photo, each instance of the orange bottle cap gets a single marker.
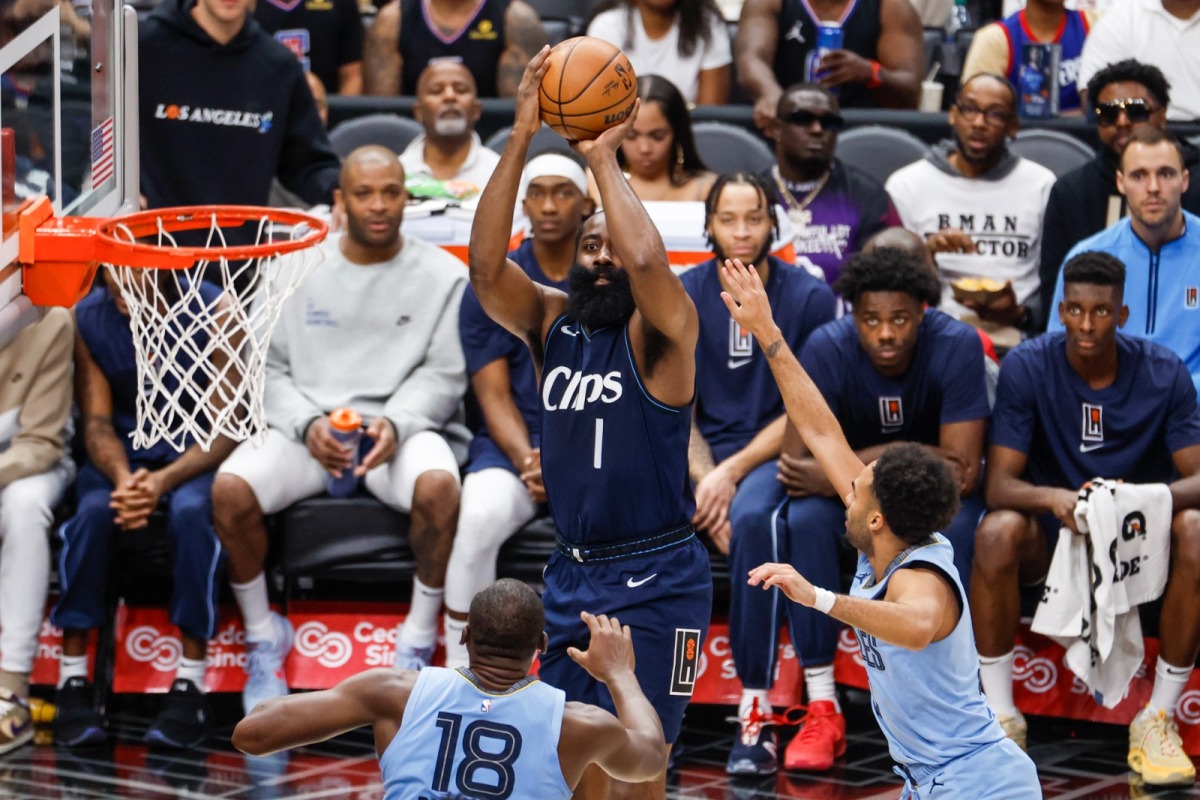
(345, 419)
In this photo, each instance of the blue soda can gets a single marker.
(829, 38)
(346, 426)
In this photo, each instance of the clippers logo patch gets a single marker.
(1093, 423)
(891, 412)
(1191, 297)
(686, 663)
(741, 343)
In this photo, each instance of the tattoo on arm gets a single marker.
(773, 348)
(382, 64)
(524, 36)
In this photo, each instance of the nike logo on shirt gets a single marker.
(632, 584)
(1087, 448)
(734, 363)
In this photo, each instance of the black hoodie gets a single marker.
(218, 122)
(1085, 201)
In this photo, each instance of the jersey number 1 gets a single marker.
(598, 447)
(494, 761)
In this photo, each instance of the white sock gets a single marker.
(456, 654)
(747, 702)
(1168, 686)
(256, 609)
(996, 674)
(191, 669)
(420, 626)
(72, 667)
(819, 683)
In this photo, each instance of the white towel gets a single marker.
(1097, 580)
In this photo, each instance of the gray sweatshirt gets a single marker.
(380, 339)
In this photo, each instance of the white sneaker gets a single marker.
(264, 665)
(414, 658)
(1156, 751)
(1015, 727)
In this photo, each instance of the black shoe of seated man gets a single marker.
(78, 723)
(183, 721)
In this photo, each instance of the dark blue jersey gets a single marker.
(614, 459)
(1072, 433)
(483, 341)
(736, 395)
(944, 383)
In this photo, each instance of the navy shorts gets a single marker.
(666, 600)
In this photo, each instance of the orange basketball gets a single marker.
(589, 87)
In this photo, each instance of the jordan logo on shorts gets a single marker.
(686, 663)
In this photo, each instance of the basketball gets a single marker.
(589, 88)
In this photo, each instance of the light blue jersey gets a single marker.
(928, 702)
(461, 741)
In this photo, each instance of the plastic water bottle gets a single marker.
(346, 426)
(952, 55)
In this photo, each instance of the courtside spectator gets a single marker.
(326, 36)
(980, 207)
(223, 109)
(1126, 97)
(35, 402)
(373, 329)
(1159, 244)
(880, 63)
(117, 490)
(997, 47)
(1073, 405)
(503, 485)
(684, 41)
(833, 207)
(493, 39)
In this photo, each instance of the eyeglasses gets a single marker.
(1136, 110)
(805, 119)
(994, 116)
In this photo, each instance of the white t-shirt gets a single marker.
(1003, 216)
(1141, 29)
(661, 56)
(477, 169)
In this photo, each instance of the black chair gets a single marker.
(1059, 152)
(389, 130)
(728, 148)
(576, 12)
(558, 30)
(879, 150)
(544, 141)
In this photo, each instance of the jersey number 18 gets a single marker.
(489, 748)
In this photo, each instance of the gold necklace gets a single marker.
(797, 210)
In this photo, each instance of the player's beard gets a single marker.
(599, 306)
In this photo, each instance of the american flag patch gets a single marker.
(103, 165)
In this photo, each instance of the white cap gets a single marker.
(552, 165)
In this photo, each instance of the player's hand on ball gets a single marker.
(610, 651)
(611, 139)
(785, 577)
(747, 299)
(528, 114)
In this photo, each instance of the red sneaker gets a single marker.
(821, 739)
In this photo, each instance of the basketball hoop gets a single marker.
(201, 354)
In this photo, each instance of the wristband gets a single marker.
(825, 600)
(875, 81)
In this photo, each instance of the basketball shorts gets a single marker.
(1001, 771)
(666, 600)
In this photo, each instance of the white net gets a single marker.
(201, 335)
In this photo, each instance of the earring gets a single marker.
(679, 155)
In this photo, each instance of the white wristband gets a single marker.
(824, 600)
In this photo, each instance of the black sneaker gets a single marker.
(183, 721)
(78, 723)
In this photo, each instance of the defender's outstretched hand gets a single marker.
(793, 584)
(747, 300)
(610, 651)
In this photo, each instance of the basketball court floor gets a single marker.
(1084, 761)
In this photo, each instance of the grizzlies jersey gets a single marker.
(459, 740)
(614, 459)
(927, 702)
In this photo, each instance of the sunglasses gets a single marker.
(805, 119)
(1136, 110)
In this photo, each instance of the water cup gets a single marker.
(931, 96)
(346, 426)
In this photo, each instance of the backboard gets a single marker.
(68, 122)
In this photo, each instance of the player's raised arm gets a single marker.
(506, 293)
(806, 408)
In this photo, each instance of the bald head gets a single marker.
(444, 70)
(370, 155)
(904, 240)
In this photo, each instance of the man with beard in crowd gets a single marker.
(617, 355)
(448, 107)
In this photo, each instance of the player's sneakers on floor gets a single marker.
(756, 747)
(414, 658)
(183, 721)
(1156, 751)
(78, 723)
(821, 739)
(1015, 728)
(16, 721)
(264, 665)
